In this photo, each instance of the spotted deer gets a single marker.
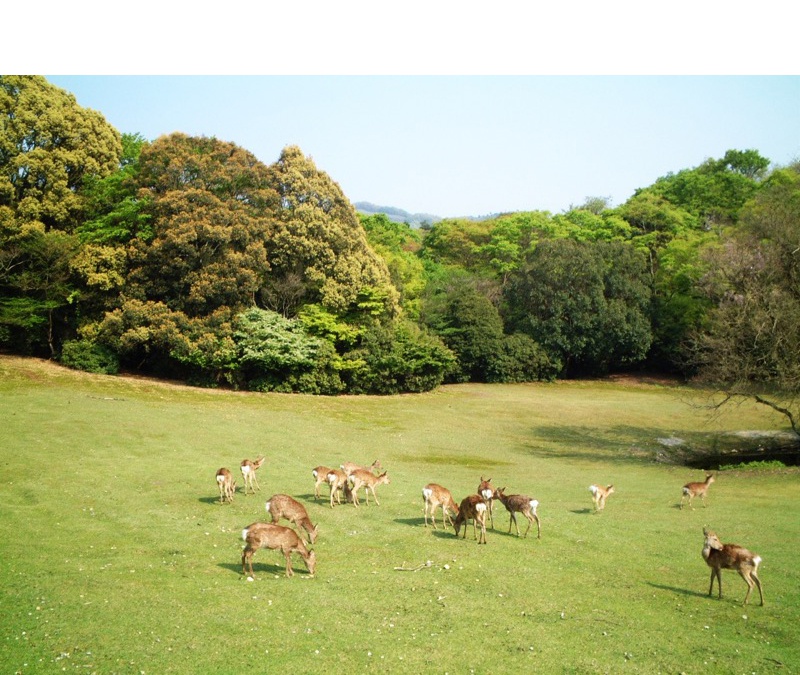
(337, 480)
(472, 508)
(369, 481)
(599, 495)
(434, 496)
(283, 506)
(276, 537)
(226, 485)
(719, 556)
(349, 467)
(520, 504)
(249, 469)
(692, 490)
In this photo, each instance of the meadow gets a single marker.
(116, 556)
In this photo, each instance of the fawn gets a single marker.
(486, 491)
(249, 469)
(369, 481)
(692, 490)
(473, 507)
(599, 495)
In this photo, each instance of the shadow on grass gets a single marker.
(584, 512)
(413, 522)
(209, 500)
(264, 569)
(677, 591)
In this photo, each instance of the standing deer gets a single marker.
(320, 474)
(349, 467)
(267, 535)
(337, 480)
(369, 481)
(486, 491)
(473, 507)
(249, 474)
(283, 506)
(599, 495)
(719, 556)
(435, 496)
(521, 504)
(226, 485)
(692, 490)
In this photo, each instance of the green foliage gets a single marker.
(397, 358)
(758, 465)
(586, 305)
(89, 356)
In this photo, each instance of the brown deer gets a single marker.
(283, 506)
(337, 480)
(369, 481)
(692, 490)
(267, 535)
(249, 474)
(434, 496)
(520, 504)
(719, 556)
(226, 485)
(349, 467)
(486, 491)
(473, 507)
(599, 495)
(320, 474)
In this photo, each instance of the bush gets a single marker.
(90, 357)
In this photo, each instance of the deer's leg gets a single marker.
(374, 494)
(288, 554)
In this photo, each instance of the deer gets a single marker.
(719, 556)
(337, 480)
(472, 507)
(520, 504)
(283, 506)
(249, 474)
(692, 490)
(349, 467)
(369, 481)
(320, 474)
(599, 495)
(268, 535)
(226, 485)
(486, 491)
(434, 496)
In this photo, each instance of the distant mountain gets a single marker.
(397, 215)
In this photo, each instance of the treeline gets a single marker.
(186, 257)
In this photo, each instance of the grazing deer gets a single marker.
(599, 495)
(369, 481)
(249, 474)
(486, 491)
(226, 485)
(435, 496)
(473, 507)
(349, 467)
(692, 490)
(283, 506)
(320, 474)
(267, 535)
(520, 504)
(719, 556)
(337, 480)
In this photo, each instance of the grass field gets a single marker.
(116, 557)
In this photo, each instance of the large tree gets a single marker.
(750, 345)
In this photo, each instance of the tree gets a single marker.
(319, 244)
(585, 304)
(751, 341)
(49, 146)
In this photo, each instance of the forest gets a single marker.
(188, 258)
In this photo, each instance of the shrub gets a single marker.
(89, 356)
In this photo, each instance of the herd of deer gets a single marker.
(349, 478)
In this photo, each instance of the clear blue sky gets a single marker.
(468, 145)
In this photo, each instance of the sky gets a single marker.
(467, 145)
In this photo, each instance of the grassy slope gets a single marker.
(115, 556)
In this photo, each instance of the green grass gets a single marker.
(117, 558)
